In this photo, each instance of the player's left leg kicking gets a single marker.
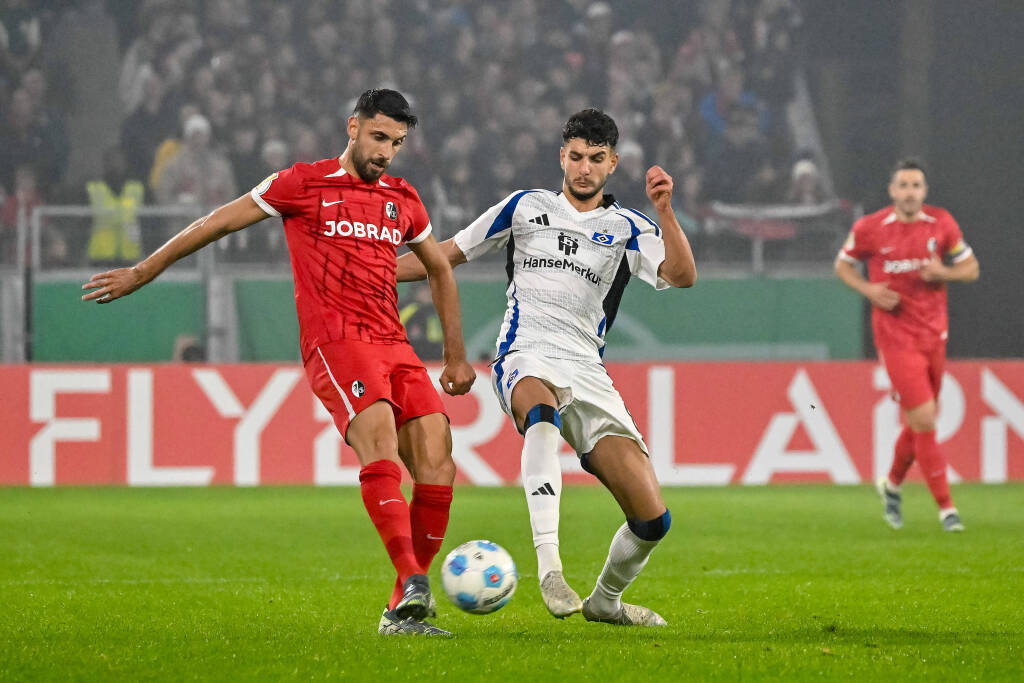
(624, 468)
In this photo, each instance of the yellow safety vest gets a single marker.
(435, 334)
(115, 224)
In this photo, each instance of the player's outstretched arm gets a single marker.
(457, 375)
(679, 268)
(410, 268)
(114, 284)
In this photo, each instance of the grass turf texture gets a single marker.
(789, 582)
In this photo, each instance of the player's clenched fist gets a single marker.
(659, 187)
(112, 284)
(457, 377)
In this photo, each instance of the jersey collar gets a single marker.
(607, 202)
(921, 216)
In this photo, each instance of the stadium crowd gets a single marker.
(217, 94)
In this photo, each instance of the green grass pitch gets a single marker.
(781, 582)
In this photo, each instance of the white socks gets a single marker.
(626, 557)
(542, 482)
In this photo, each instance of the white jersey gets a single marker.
(567, 270)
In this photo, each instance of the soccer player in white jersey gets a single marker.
(570, 255)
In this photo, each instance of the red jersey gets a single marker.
(895, 252)
(342, 235)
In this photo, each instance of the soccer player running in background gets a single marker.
(912, 250)
(570, 255)
(343, 220)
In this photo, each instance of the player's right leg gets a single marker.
(535, 410)
(425, 446)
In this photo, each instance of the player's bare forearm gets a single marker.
(114, 284)
(411, 269)
(850, 276)
(458, 375)
(878, 293)
(966, 270)
(679, 268)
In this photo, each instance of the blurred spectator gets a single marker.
(26, 138)
(19, 205)
(21, 35)
(736, 160)
(805, 186)
(691, 209)
(416, 311)
(245, 156)
(198, 174)
(187, 349)
(717, 105)
(115, 200)
(149, 125)
(629, 183)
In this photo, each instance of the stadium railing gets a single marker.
(775, 239)
(245, 274)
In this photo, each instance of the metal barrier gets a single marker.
(51, 247)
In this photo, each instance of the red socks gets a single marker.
(412, 534)
(429, 515)
(379, 482)
(903, 457)
(933, 466)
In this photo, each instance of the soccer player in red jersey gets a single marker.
(343, 220)
(912, 250)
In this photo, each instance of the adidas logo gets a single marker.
(540, 220)
(544, 490)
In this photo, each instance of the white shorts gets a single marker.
(588, 403)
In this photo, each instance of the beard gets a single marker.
(582, 196)
(368, 173)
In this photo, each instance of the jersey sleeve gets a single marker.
(645, 249)
(419, 227)
(954, 248)
(280, 194)
(858, 244)
(491, 230)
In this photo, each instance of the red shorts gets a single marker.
(916, 375)
(349, 375)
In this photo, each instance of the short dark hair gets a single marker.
(593, 126)
(391, 103)
(908, 164)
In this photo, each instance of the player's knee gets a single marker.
(652, 529)
(540, 413)
(921, 422)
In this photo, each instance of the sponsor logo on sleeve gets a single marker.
(265, 184)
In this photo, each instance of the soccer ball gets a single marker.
(479, 577)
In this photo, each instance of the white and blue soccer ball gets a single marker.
(479, 577)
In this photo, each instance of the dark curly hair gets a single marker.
(593, 126)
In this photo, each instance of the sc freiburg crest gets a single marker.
(391, 210)
(358, 389)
